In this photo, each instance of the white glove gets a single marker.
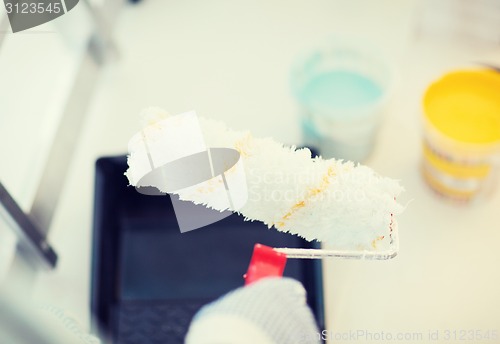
(270, 311)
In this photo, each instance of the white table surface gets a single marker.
(230, 61)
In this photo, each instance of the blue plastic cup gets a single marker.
(342, 90)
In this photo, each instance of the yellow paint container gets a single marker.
(461, 147)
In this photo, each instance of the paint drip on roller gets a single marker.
(349, 206)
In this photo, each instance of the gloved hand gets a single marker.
(270, 311)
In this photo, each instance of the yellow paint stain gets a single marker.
(242, 145)
(278, 224)
(376, 241)
(209, 186)
(325, 182)
(315, 192)
(296, 207)
(205, 190)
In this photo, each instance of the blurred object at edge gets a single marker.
(25, 321)
(463, 21)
